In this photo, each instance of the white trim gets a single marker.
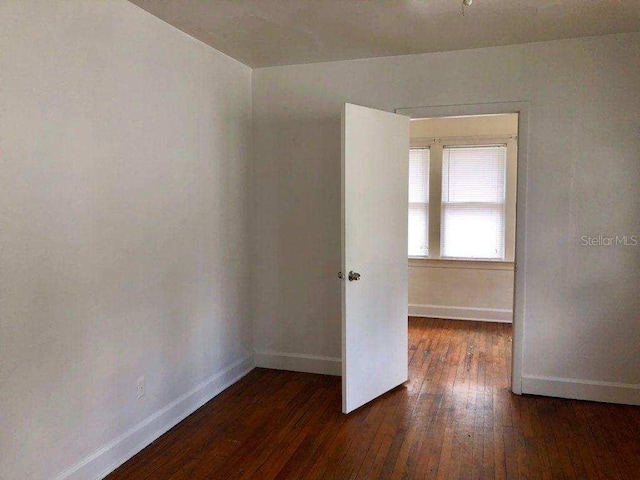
(498, 315)
(610, 392)
(423, 262)
(107, 458)
(297, 362)
(462, 139)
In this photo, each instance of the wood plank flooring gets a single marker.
(455, 418)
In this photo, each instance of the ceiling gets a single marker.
(281, 32)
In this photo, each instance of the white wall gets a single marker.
(582, 323)
(461, 290)
(483, 125)
(124, 151)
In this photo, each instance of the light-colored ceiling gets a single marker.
(280, 32)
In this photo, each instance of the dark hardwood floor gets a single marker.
(455, 418)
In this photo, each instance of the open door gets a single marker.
(375, 157)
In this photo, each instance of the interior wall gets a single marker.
(582, 324)
(483, 125)
(457, 289)
(125, 150)
(461, 290)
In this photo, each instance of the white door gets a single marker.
(375, 157)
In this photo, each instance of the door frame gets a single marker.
(522, 108)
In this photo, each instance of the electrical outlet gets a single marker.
(140, 388)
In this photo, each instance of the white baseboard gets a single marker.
(299, 363)
(462, 313)
(609, 392)
(106, 459)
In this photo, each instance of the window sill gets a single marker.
(460, 264)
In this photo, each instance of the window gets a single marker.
(468, 211)
(419, 202)
(473, 202)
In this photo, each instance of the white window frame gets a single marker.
(428, 201)
(436, 146)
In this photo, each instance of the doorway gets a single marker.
(515, 235)
(461, 245)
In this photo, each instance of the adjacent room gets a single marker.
(462, 231)
(269, 239)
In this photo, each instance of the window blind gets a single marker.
(419, 202)
(473, 202)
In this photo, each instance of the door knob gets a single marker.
(354, 276)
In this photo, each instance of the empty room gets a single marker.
(319, 239)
